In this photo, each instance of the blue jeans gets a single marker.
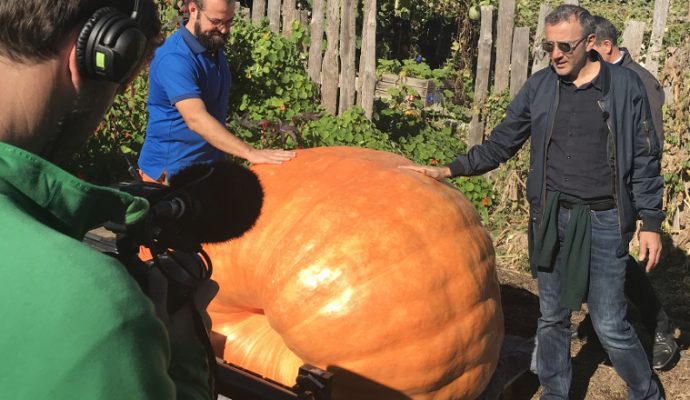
(607, 308)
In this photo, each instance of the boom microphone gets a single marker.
(203, 204)
(213, 203)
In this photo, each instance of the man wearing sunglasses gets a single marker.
(188, 98)
(594, 171)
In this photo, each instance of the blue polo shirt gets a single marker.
(182, 69)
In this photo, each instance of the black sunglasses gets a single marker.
(565, 47)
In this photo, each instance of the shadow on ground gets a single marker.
(520, 310)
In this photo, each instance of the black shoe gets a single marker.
(665, 351)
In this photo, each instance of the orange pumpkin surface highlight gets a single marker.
(381, 275)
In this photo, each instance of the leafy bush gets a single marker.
(269, 80)
(351, 129)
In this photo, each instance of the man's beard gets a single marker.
(212, 41)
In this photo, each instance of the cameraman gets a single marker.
(75, 325)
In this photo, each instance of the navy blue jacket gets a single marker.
(633, 147)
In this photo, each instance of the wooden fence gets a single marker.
(513, 52)
(342, 83)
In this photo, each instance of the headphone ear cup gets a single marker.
(84, 56)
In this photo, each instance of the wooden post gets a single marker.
(289, 14)
(348, 39)
(258, 10)
(315, 52)
(632, 38)
(274, 15)
(658, 25)
(519, 60)
(330, 68)
(481, 82)
(367, 60)
(540, 59)
(504, 39)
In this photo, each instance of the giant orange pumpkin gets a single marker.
(377, 273)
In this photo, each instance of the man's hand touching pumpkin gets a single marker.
(270, 156)
(438, 173)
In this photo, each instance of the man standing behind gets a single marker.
(593, 173)
(637, 286)
(188, 98)
(606, 45)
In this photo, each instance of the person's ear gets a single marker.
(193, 9)
(590, 41)
(73, 67)
(608, 45)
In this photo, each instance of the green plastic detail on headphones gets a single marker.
(100, 60)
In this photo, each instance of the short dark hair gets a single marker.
(34, 30)
(605, 31)
(202, 3)
(565, 12)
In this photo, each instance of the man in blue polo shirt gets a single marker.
(188, 98)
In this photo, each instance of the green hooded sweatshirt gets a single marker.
(74, 324)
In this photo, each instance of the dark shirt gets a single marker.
(577, 161)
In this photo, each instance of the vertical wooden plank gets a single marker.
(330, 68)
(367, 61)
(481, 83)
(274, 15)
(348, 41)
(239, 10)
(632, 38)
(303, 16)
(519, 60)
(258, 10)
(316, 33)
(245, 13)
(362, 60)
(289, 14)
(655, 41)
(540, 59)
(504, 39)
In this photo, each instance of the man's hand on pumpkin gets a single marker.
(438, 173)
(269, 156)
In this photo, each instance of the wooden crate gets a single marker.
(424, 87)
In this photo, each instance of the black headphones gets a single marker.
(111, 44)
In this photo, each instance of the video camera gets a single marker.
(202, 204)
